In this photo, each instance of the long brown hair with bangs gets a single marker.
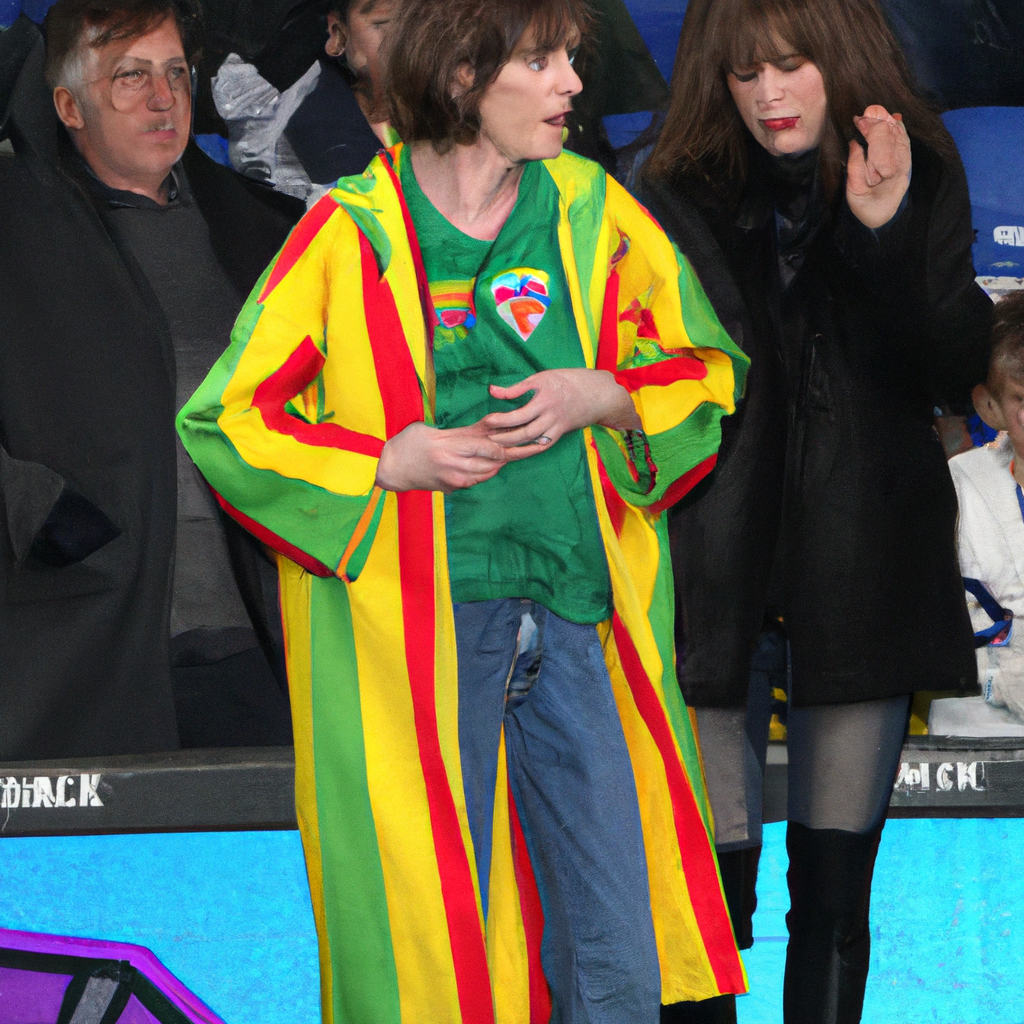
(432, 44)
(848, 40)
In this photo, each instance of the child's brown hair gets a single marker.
(1007, 341)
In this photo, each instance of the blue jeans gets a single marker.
(572, 782)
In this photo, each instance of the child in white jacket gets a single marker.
(991, 531)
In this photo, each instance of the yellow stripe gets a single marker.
(637, 547)
(686, 971)
(328, 468)
(350, 375)
(299, 310)
(295, 598)
(665, 406)
(642, 547)
(398, 797)
(686, 968)
(506, 935)
(401, 275)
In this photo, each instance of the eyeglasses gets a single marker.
(131, 86)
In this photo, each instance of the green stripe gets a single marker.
(586, 215)
(616, 464)
(358, 558)
(315, 520)
(359, 187)
(675, 452)
(678, 450)
(362, 958)
(662, 619)
(370, 226)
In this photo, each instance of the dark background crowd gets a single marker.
(82, 672)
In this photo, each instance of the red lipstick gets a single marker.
(778, 124)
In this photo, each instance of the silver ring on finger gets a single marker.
(542, 440)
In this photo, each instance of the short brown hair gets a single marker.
(849, 41)
(68, 22)
(432, 41)
(1007, 341)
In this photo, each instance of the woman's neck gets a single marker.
(472, 187)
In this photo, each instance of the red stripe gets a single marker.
(684, 484)
(272, 540)
(698, 863)
(681, 366)
(403, 404)
(430, 317)
(416, 567)
(613, 500)
(298, 242)
(298, 372)
(533, 918)
(396, 374)
(608, 339)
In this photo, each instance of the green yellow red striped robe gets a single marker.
(329, 358)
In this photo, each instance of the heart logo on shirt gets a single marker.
(521, 296)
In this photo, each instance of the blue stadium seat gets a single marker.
(991, 143)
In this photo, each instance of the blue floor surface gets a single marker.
(946, 938)
(229, 914)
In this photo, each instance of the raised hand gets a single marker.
(425, 458)
(563, 400)
(877, 181)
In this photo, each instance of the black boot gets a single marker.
(829, 940)
(721, 1010)
(739, 880)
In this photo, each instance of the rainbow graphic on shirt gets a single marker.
(521, 295)
(455, 310)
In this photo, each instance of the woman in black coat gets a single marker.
(826, 211)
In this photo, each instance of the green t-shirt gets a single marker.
(505, 313)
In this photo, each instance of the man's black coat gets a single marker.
(87, 404)
(832, 490)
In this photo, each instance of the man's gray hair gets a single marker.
(73, 25)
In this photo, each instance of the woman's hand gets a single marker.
(424, 458)
(563, 400)
(876, 182)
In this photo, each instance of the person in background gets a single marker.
(990, 530)
(825, 209)
(326, 125)
(327, 137)
(133, 616)
(459, 404)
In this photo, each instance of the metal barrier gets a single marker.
(253, 788)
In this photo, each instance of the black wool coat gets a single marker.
(832, 504)
(87, 466)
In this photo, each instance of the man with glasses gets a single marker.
(133, 617)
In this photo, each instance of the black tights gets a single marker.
(842, 757)
(842, 762)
